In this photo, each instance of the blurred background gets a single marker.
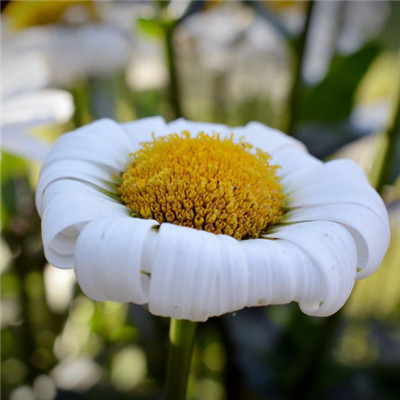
(326, 72)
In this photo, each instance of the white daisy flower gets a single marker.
(27, 104)
(200, 223)
(76, 52)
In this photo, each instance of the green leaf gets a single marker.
(332, 100)
(151, 27)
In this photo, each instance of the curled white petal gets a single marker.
(78, 170)
(102, 142)
(67, 207)
(196, 274)
(281, 272)
(332, 265)
(334, 182)
(368, 231)
(109, 261)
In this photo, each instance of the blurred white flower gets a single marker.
(76, 52)
(77, 374)
(334, 229)
(321, 40)
(216, 32)
(26, 104)
(148, 71)
(233, 41)
(362, 22)
(59, 287)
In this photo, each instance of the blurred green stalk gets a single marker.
(81, 95)
(181, 338)
(299, 50)
(174, 88)
(392, 137)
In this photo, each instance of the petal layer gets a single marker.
(102, 142)
(327, 266)
(109, 259)
(335, 182)
(196, 274)
(67, 207)
(369, 233)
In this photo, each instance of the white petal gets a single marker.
(280, 272)
(314, 263)
(109, 261)
(39, 107)
(268, 139)
(338, 181)
(89, 173)
(67, 207)
(102, 142)
(292, 162)
(82, 191)
(53, 183)
(369, 233)
(196, 274)
(332, 264)
(141, 130)
(181, 124)
(232, 281)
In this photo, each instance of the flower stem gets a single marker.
(181, 337)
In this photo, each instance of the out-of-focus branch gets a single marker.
(174, 87)
(169, 30)
(299, 57)
(264, 13)
(392, 137)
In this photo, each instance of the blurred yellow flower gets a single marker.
(280, 6)
(23, 14)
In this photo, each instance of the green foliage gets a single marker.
(151, 28)
(332, 100)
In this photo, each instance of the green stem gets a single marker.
(181, 337)
(392, 137)
(299, 57)
(81, 94)
(174, 89)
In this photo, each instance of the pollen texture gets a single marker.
(203, 182)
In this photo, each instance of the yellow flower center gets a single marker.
(204, 182)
